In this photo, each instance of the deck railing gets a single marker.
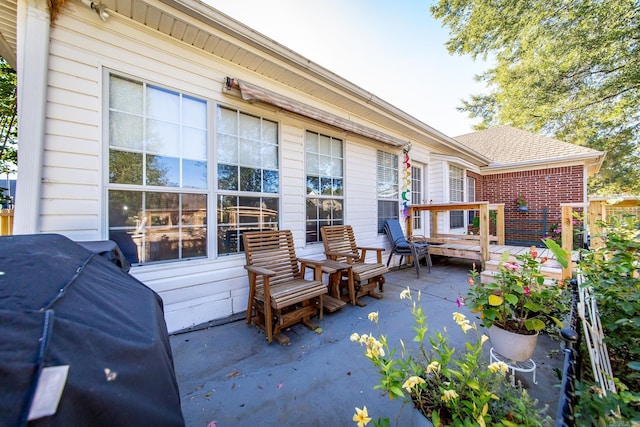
(6, 222)
(598, 209)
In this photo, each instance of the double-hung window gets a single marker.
(157, 172)
(456, 194)
(248, 177)
(387, 181)
(325, 183)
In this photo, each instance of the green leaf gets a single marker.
(534, 324)
(634, 365)
(559, 253)
(473, 384)
(396, 391)
(511, 299)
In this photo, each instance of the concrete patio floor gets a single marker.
(229, 375)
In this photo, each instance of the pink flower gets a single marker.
(511, 266)
(527, 292)
(460, 301)
(470, 281)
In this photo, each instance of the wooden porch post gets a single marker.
(500, 223)
(567, 238)
(484, 233)
(434, 224)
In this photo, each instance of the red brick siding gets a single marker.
(542, 188)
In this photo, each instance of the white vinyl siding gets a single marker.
(75, 181)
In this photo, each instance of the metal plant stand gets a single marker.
(526, 366)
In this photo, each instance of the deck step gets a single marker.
(550, 274)
(488, 276)
(551, 269)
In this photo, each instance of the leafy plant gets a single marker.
(520, 200)
(518, 300)
(613, 273)
(448, 385)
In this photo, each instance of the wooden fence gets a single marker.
(6, 222)
(598, 209)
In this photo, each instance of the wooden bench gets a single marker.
(340, 245)
(278, 292)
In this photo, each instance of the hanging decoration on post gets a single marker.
(406, 193)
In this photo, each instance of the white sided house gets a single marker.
(171, 128)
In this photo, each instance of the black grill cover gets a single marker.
(85, 312)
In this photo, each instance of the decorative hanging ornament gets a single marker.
(406, 194)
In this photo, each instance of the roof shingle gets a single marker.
(508, 145)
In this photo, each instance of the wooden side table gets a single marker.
(336, 271)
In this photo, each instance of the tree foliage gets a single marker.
(8, 122)
(567, 68)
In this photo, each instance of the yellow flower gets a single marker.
(355, 337)
(406, 294)
(361, 417)
(373, 316)
(363, 338)
(483, 339)
(412, 382)
(498, 367)
(433, 367)
(459, 317)
(449, 395)
(466, 327)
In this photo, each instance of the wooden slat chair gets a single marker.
(340, 245)
(278, 291)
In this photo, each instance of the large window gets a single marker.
(416, 195)
(325, 183)
(157, 172)
(471, 197)
(248, 177)
(456, 194)
(387, 180)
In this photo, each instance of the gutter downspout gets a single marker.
(33, 30)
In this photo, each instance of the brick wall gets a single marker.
(542, 188)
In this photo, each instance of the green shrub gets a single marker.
(613, 274)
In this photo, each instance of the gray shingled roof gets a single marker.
(508, 145)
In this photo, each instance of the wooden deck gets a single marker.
(471, 251)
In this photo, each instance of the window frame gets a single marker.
(268, 203)
(313, 225)
(456, 217)
(385, 208)
(178, 220)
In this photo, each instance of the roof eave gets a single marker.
(593, 162)
(205, 13)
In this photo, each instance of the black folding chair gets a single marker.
(403, 247)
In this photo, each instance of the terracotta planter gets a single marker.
(516, 347)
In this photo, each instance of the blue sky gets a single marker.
(393, 49)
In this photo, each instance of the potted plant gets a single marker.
(521, 202)
(446, 385)
(518, 304)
